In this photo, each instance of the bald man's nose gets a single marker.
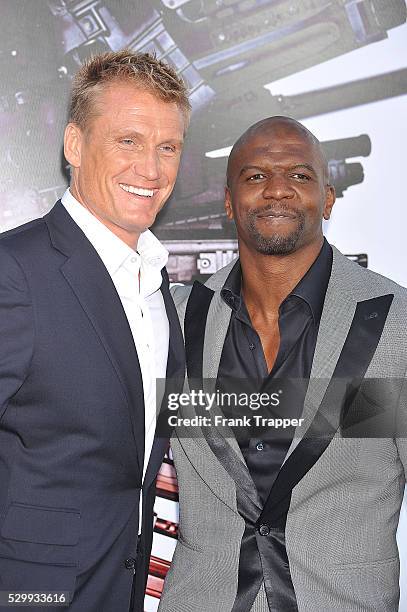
(278, 187)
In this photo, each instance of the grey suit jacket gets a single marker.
(339, 527)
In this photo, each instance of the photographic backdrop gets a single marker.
(339, 66)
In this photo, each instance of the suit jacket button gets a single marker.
(264, 530)
(130, 563)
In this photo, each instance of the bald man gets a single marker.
(292, 475)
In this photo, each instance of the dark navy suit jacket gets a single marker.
(72, 422)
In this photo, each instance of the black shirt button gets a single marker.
(130, 563)
(264, 530)
(252, 346)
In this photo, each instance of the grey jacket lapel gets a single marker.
(205, 324)
(221, 439)
(215, 333)
(337, 315)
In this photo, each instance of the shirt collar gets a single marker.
(313, 285)
(231, 290)
(311, 288)
(113, 251)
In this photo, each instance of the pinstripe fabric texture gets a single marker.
(343, 516)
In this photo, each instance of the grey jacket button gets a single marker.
(264, 530)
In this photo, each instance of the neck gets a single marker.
(129, 238)
(268, 279)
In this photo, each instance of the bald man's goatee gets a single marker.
(276, 244)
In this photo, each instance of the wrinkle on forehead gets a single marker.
(286, 130)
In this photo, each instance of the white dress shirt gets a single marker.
(137, 278)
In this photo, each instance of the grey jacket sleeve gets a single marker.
(401, 427)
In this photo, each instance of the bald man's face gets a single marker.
(277, 190)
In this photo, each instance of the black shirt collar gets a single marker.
(311, 288)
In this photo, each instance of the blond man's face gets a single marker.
(125, 162)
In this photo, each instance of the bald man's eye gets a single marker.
(256, 177)
(299, 176)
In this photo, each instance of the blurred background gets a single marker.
(339, 66)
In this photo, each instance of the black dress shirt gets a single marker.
(243, 360)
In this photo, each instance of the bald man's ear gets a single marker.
(330, 198)
(228, 203)
(72, 144)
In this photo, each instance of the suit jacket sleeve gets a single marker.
(16, 328)
(401, 432)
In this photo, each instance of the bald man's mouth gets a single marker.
(276, 214)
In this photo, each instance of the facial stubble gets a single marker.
(276, 244)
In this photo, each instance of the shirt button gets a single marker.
(251, 346)
(130, 563)
(264, 530)
(260, 446)
(133, 260)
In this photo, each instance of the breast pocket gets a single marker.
(39, 548)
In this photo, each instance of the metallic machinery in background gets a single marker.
(226, 50)
(197, 259)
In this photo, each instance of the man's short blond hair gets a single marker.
(141, 69)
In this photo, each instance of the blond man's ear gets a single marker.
(72, 145)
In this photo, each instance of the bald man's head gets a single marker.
(278, 189)
(280, 127)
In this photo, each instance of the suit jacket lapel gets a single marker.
(194, 332)
(215, 333)
(336, 320)
(176, 352)
(216, 328)
(97, 295)
(173, 384)
(206, 323)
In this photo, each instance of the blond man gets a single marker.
(87, 326)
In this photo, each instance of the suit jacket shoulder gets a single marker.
(351, 281)
(360, 282)
(23, 232)
(26, 242)
(180, 293)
